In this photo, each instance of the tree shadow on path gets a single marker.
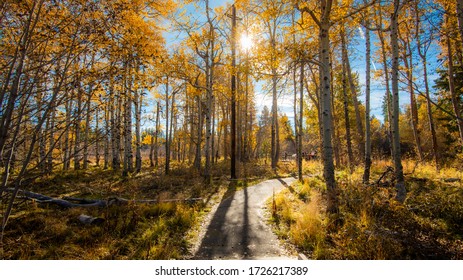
(227, 235)
(237, 229)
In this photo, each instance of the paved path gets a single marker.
(238, 228)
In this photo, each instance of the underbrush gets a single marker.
(128, 232)
(371, 224)
(133, 231)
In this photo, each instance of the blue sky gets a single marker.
(378, 89)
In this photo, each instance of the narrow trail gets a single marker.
(238, 228)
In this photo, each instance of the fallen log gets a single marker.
(40, 198)
(80, 200)
(451, 180)
(154, 201)
(72, 202)
(89, 220)
(388, 170)
(96, 202)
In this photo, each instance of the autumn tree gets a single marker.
(272, 14)
(62, 64)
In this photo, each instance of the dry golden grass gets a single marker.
(308, 230)
(133, 231)
(297, 215)
(372, 225)
(129, 232)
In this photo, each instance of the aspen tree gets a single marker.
(423, 45)
(398, 169)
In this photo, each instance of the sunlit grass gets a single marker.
(133, 231)
(372, 225)
(298, 217)
(129, 232)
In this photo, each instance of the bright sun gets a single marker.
(246, 42)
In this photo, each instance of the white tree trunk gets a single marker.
(400, 184)
(138, 101)
(128, 154)
(326, 113)
(167, 164)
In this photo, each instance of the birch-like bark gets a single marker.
(97, 135)
(325, 75)
(400, 181)
(106, 135)
(156, 134)
(77, 126)
(199, 129)
(128, 154)
(87, 127)
(366, 173)
(275, 147)
(51, 140)
(296, 120)
(138, 101)
(172, 116)
(209, 60)
(301, 118)
(114, 105)
(167, 144)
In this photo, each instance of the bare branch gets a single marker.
(310, 12)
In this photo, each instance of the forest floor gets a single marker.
(370, 223)
(164, 230)
(429, 225)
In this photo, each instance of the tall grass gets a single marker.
(133, 231)
(371, 224)
(129, 232)
(297, 215)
